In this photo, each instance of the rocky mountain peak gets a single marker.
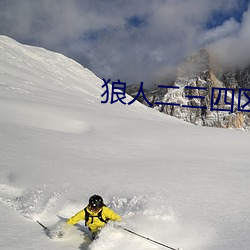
(197, 64)
(204, 96)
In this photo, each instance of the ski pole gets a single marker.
(146, 238)
(45, 228)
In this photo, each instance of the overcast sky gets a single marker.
(131, 40)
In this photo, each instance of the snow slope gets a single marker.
(179, 184)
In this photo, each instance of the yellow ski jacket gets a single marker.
(94, 223)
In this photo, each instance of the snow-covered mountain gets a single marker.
(204, 94)
(182, 185)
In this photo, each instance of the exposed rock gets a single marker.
(202, 97)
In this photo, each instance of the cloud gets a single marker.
(228, 28)
(134, 41)
(232, 50)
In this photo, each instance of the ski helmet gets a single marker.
(95, 202)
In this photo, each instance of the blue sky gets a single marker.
(131, 40)
(218, 17)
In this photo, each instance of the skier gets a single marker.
(95, 214)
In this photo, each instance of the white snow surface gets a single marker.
(182, 185)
